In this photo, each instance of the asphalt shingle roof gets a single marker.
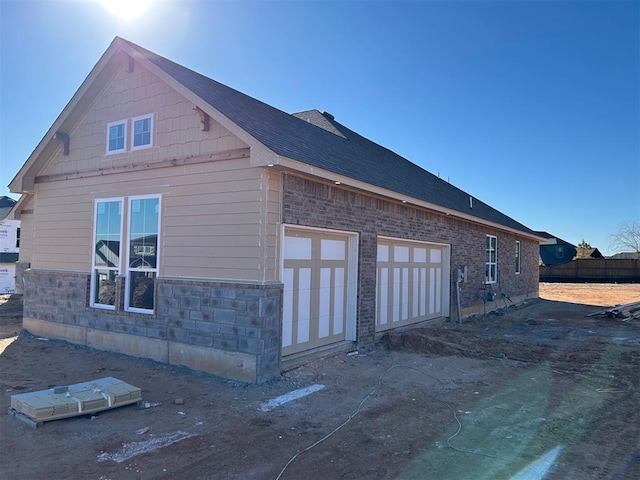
(351, 154)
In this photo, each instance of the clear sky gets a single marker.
(531, 106)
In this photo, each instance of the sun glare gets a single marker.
(127, 9)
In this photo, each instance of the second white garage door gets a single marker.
(412, 282)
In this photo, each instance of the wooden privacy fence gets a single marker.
(605, 270)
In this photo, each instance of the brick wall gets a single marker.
(232, 317)
(313, 204)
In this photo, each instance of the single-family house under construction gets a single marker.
(168, 216)
(9, 245)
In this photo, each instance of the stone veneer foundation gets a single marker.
(228, 329)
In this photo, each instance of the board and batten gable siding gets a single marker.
(177, 129)
(215, 221)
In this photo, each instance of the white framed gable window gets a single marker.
(491, 269)
(142, 132)
(116, 137)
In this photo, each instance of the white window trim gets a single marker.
(127, 269)
(518, 257)
(133, 123)
(495, 280)
(124, 148)
(92, 292)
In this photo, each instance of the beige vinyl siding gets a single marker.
(215, 221)
(61, 238)
(177, 129)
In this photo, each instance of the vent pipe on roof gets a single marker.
(471, 202)
(328, 115)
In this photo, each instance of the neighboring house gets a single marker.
(171, 217)
(588, 253)
(626, 256)
(554, 250)
(6, 204)
(9, 245)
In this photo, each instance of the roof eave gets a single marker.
(284, 163)
(16, 211)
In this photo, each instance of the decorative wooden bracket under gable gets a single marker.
(64, 138)
(204, 118)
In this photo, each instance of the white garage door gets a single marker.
(318, 272)
(412, 282)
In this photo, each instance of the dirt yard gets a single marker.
(539, 391)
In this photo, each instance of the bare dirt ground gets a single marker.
(539, 391)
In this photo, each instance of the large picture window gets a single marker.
(137, 261)
(142, 266)
(491, 271)
(107, 252)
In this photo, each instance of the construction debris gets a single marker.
(628, 311)
(73, 400)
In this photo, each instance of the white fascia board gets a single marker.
(549, 241)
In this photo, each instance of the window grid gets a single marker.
(142, 136)
(116, 137)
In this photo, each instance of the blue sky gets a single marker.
(531, 106)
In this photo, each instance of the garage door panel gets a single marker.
(383, 295)
(287, 307)
(304, 305)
